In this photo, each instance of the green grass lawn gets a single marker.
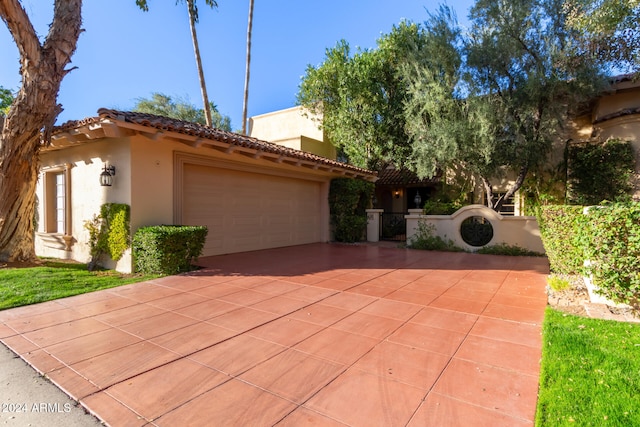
(53, 280)
(590, 372)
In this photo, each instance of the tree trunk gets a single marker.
(196, 51)
(245, 104)
(522, 174)
(31, 117)
(488, 190)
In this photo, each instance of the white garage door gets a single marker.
(247, 211)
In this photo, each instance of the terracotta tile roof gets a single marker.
(206, 133)
(393, 176)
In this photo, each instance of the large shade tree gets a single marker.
(361, 96)
(519, 81)
(490, 102)
(31, 116)
(524, 81)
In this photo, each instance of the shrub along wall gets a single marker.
(612, 245)
(560, 227)
(167, 249)
(348, 200)
(109, 233)
(599, 172)
(608, 236)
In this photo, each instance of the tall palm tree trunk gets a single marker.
(196, 50)
(245, 104)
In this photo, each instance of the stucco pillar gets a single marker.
(412, 219)
(373, 224)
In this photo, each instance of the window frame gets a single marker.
(52, 197)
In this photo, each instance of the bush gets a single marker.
(609, 237)
(561, 231)
(426, 239)
(118, 237)
(167, 249)
(613, 249)
(434, 207)
(108, 233)
(599, 172)
(505, 249)
(350, 228)
(558, 283)
(348, 201)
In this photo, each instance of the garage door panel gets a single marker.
(278, 221)
(245, 221)
(247, 211)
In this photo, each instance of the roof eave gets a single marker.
(115, 125)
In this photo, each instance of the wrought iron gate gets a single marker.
(393, 226)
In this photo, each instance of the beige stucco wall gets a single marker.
(151, 182)
(292, 128)
(86, 163)
(624, 99)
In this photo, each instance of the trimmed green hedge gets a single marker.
(167, 249)
(613, 249)
(560, 229)
(608, 236)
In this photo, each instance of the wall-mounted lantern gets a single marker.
(106, 177)
(417, 200)
(397, 194)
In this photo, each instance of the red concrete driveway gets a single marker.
(321, 334)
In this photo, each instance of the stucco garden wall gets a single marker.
(522, 231)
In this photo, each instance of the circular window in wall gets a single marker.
(476, 231)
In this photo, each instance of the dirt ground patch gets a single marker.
(575, 300)
(20, 264)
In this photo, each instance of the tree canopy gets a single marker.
(361, 97)
(164, 105)
(490, 101)
(609, 29)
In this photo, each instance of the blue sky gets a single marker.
(125, 54)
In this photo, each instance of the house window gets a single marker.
(56, 201)
(60, 202)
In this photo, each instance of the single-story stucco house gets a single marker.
(251, 194)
